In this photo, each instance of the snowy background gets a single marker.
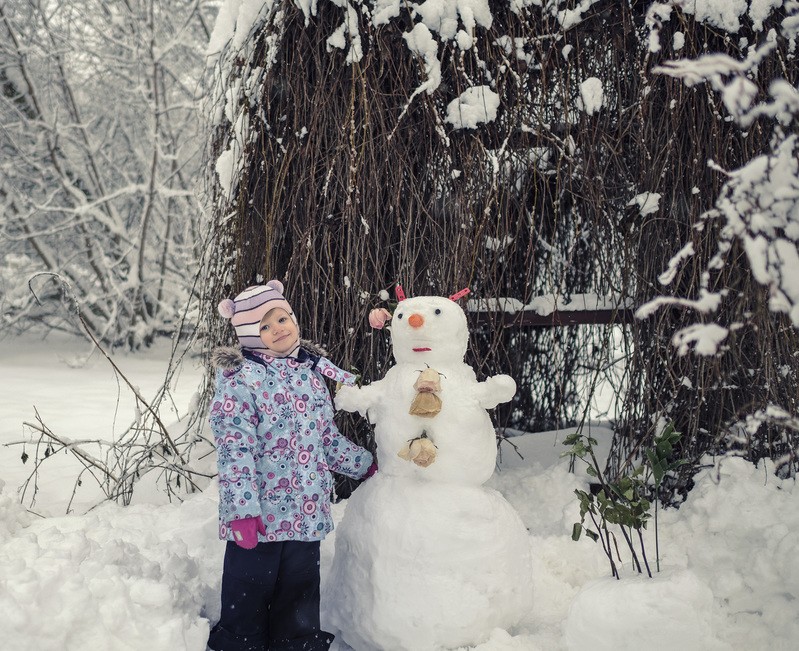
(148, 576)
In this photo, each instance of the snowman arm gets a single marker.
(495, 390)
(360, 399)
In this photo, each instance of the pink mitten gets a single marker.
(246, 530)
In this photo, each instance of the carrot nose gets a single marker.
(416, 320)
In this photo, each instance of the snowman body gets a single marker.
(463, 428)
(426, 557)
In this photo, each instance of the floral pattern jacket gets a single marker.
(276, 443)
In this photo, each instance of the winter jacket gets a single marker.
(276, 443)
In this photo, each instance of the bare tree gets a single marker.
(98, 160)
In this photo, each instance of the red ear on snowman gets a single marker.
(459, 294)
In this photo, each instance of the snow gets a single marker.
(473, 106)
(235, 20)
(704, 337)
(547, 304)
(148, 576)
(420, 41)
(651, 607)
(759, 10)
(723, 14)
(706, 303)
(569, 18)
(226, 167)
(726, 14)
(384, 10)
(442, 15)
(592, 96)
(647, 202)
(674, 264)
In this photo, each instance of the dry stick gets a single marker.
(71, 446)
(164, 433)
(91, 461)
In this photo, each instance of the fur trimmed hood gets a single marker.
(229, 358)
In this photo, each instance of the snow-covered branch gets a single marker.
(100, 147)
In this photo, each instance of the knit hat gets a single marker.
(248, 308)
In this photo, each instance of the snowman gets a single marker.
(426, 557)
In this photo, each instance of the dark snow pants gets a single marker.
(270, 599)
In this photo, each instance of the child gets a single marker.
(276, 442)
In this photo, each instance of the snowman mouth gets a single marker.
(422, 350)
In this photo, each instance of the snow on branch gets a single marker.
(547, 304)
(759, 203)
(437, 29)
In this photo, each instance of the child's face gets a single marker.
(278, 331)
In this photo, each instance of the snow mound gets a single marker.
(638, 612)
(114, 579)
(13, 516)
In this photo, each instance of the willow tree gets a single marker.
(522, 149)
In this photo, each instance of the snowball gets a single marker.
(421, 565)
(475, 105)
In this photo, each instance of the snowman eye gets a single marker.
(399, 316)
(438, 311)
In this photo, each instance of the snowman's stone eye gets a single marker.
(399, 316)
(438, 311)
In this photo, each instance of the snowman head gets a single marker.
(429, 330)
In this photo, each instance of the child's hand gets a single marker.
(371, 470)
(246, 530)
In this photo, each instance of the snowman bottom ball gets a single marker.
(421, 566)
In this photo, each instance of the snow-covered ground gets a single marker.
(147, 576)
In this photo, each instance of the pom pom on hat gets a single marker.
(275, 284)
(227, 308)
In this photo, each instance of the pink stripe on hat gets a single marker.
(249, 307)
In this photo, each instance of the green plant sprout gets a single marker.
(623, 502)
